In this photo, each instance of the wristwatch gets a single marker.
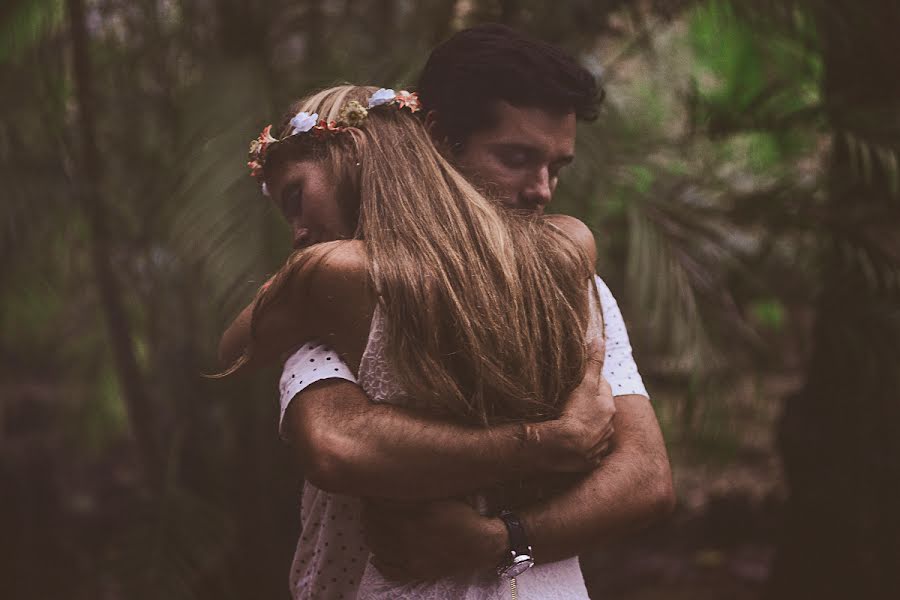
(519, 558)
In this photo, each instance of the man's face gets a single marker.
(304, 192)
(520, 157)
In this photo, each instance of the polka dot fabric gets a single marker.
(311, 363)
(331, 554)
(619, 368)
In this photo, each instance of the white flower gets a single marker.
(382, 96)
(264, 188)
(303, 122)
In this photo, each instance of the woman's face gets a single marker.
(305, 193)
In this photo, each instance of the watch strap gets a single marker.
(518, 539)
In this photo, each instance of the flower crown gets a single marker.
(352, 114)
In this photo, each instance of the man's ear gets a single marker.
(436, 133)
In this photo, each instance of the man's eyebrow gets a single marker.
(530, 151)
(533, 151)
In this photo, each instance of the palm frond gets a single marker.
(868, 156)
(23, 23)
(679, 263)
(219, 218)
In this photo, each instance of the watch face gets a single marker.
(519, 565)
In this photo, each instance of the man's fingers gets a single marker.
(605, 437)
(608, 432)
(599, 452)
(602, 448)
(604, 393)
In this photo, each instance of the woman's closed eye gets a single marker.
(291, 201)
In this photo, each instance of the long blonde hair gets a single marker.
(486, 309)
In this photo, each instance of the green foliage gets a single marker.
(101, 420)
(24, 23)
(703, 179)
(752, 80)
(31, 315)
(770, 312)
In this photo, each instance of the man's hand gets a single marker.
(432, 540)
(583, 434)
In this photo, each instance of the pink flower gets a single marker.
(256, 168)
(408, 100)
(325, 128)
(259, 145)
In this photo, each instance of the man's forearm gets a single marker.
(347, 444)
(631, 488)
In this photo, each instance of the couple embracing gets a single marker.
(463, 403)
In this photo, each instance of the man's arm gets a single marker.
(633, 485)
(629, 490)
(347, 444)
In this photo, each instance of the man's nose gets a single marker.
(539, 191)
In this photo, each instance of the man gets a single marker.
(503, 108)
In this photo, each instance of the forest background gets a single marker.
(743, 183)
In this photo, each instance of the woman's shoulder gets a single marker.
(577, 231)
(342, 256)
(336, 267)
(342, 300)
(572, 226)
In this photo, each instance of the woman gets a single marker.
(480, 314)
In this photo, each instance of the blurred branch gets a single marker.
(88, 191)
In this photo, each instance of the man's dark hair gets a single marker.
(480, 65)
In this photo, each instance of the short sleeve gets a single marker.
(619, 367)
(311, 363)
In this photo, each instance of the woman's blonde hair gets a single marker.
(486, 309)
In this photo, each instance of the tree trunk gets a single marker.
(140, 411)
(840, 435)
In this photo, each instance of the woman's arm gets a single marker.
(321, 293)
(237, 337)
